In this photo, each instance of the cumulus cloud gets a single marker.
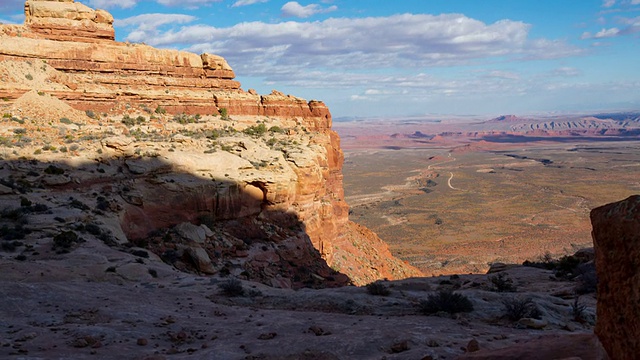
(108, 4)
(247, 2)
(405, 40)
(294, 9)
(602, 34)
(332, 54)
(146, 26)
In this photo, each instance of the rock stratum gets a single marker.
(162, 150)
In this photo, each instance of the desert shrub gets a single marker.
(65, 120)
(224, 114)
(28, 77)
(18, 232)
(128, 120)
(276, 129)
(92, 229)
(6, 116)
(160, 110)
(53, 170)
(502, 283)
(24, 202)
(78, 204)
(20, 131)
(378, 288)
(91, 114)
(65, 240)
(516, 308)
(446, 301)
(256, 130)
(184, 119)
(567, 266)
(232, 288)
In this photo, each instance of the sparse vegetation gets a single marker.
(446, 301)
(276, 129)
(160, 110)
(52, 169)
(516, 308)
(232, 288)
(502, 283)
(378, 288)
(224, 114)
(65, 240)
(255, 130)
(28, 77)
(65, 120)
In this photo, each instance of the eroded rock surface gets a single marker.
(616, 238)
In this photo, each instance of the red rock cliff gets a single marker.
(69, 52)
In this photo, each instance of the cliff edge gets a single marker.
(162, 150)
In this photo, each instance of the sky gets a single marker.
(386, 58)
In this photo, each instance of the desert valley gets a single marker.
(151, 208)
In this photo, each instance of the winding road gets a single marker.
(449, 182)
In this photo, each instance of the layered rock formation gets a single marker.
(616, 238)
(169, 170)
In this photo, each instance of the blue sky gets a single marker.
(407, 57)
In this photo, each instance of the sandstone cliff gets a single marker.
(165, 138)
(616, 239)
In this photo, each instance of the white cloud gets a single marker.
(405, 40)
(107, 4)
(501, 74)
(146, 26)
(247, 2)
(190, 4)
(608, 3)
(566, 71)
(294, 9)
(602, 34)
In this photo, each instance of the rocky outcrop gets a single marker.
(169, 170)
(85, 67)
(68, 20)
(616, 238)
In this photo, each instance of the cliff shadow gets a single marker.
(197, 224)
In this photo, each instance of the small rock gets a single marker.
(532, 323)
(267, 336)
(400, 347)
(318, 331)
(142, 342)
(432, 343)
(473, 345)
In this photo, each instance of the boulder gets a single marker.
(616, 239)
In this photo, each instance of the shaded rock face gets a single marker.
(616, 238)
